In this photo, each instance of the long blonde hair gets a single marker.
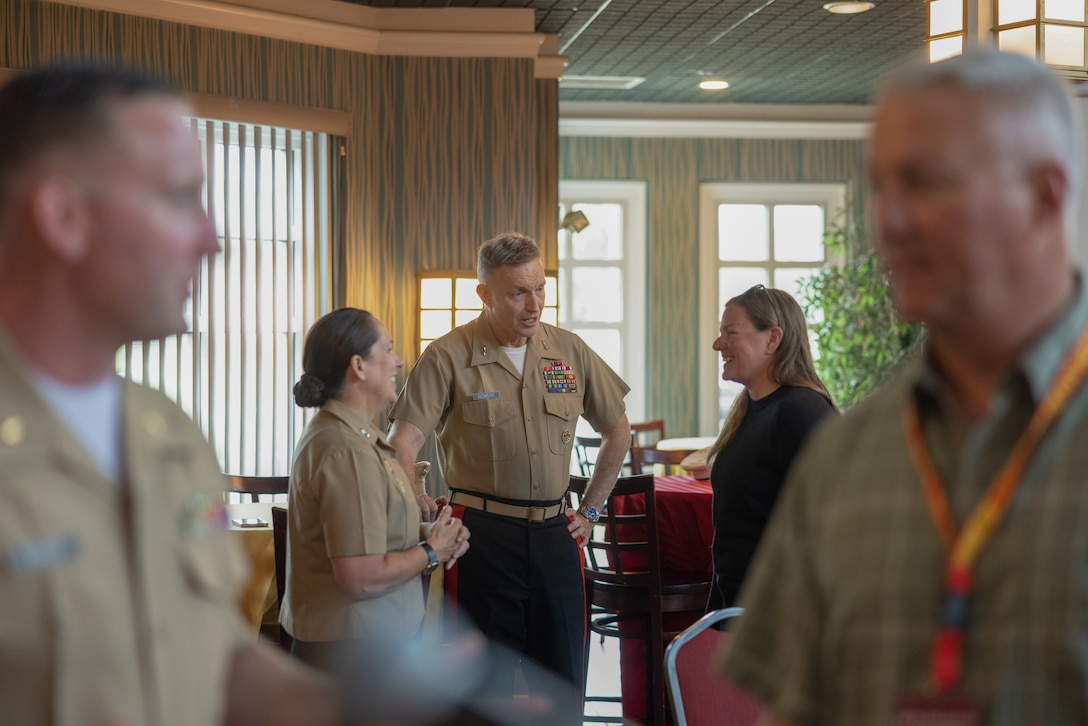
(792, 361)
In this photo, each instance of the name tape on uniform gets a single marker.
(43, 552)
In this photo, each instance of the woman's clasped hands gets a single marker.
(448, 536)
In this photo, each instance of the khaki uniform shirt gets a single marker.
(844, 596)
(116, 601)
(503, 434)
(348, 497)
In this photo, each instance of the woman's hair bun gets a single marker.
(310, 391)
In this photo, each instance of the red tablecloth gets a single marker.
(685, 530)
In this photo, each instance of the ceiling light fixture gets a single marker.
(848, 7)
(711, 84)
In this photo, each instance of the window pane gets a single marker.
(945, 48)
(1064, 45)
(1013, 11)
(603, 238)
(787, 278)
(467, 298)
(945, 16)
(732, 281)
(598, 294)
(1064, 10)
(605, 343)
(551, 291)
(549, 316)
(253, 302)
(798, 232)
(1018, 40)
(742, 233)
(435, 292)
(460, 317)
(434, 323)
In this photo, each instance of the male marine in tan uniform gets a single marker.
(117, 581)
(504, 393)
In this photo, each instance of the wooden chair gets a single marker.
(279, 542)
(647, 433)
(670, 460)
(627, 595)
(586, 449)
(254, 486)
(699, 696)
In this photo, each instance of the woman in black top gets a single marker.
(764, 346)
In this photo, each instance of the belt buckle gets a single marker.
(537, 514)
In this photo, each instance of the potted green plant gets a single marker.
(861, 341)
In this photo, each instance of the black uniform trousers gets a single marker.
(522, 584)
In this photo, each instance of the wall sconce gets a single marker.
(574, 222)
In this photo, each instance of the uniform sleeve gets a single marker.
(774, 653)
(425, 397)
(353, 494)
(604, 391)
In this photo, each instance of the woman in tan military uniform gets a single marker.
(354, 554)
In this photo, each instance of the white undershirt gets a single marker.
(517, 357)
(93, 415)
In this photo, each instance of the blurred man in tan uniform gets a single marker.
(117, 581)
(504, 393)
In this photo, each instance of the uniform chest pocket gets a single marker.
(213, 567)
(488, 430)
(563, 410)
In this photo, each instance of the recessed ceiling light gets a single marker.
(713, 85)
(848, 7)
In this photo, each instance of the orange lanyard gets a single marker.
(964, 544)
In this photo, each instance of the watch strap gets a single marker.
(432, 557)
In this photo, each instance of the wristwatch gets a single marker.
(589, 513)
(433, 563)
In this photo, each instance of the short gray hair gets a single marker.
(509, 248)
(1014, 83)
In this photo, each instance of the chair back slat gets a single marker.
(254, 486)
(641, 458)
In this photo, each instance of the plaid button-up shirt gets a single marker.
(841, 606)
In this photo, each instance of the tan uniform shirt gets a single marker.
(501, 433)
(115, 601)
(349, 497)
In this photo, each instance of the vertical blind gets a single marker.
(270, 192)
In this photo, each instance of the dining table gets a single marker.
(258, 600)
(685, 531)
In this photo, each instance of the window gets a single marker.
(770, 234)
(448, 299)
(268, 191)
(602, 278)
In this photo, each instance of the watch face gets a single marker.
(592, 514)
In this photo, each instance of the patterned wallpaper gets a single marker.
(673, 170)
(444, 152)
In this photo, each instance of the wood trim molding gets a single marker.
(224, 108)
(439, 32)
(239, 110)
(739, 121)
